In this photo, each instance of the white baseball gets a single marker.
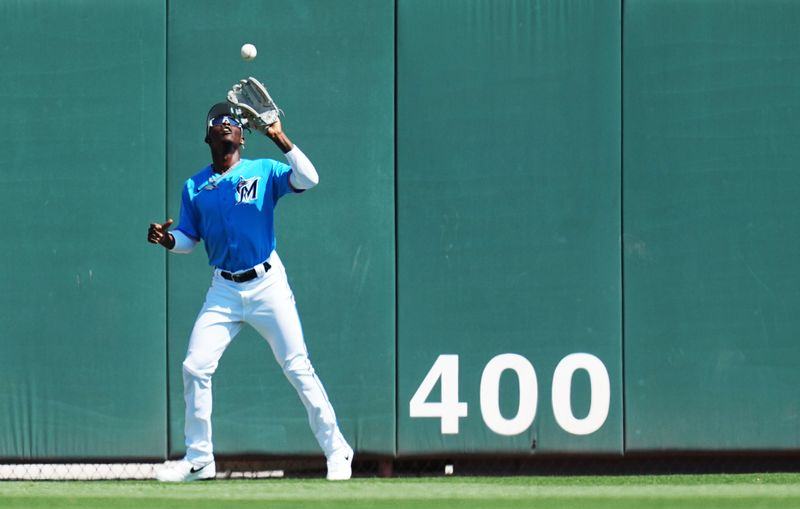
(248, 52)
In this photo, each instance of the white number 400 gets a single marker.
(450, 410)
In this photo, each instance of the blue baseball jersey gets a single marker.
(233, 212)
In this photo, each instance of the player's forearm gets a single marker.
(282, 141)
(181, 243)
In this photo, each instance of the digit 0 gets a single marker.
(562, 393)
(490, 394)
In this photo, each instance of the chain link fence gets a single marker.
(426, 466)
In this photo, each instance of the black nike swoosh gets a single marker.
(195, 470)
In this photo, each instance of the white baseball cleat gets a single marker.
(340, 465)
(184, 471)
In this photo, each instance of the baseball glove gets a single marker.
(253, 104)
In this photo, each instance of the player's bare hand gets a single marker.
(157, 234)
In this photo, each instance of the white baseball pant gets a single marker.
(267, 304)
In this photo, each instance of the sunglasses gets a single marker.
(223, 119)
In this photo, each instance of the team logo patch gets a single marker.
(247, 190)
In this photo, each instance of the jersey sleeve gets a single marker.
(189, 223)
(280, 179)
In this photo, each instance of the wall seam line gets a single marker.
(396, 254)
(166, 211)
(622, 218)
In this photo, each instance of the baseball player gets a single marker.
(229, 205)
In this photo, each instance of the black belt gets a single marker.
(243, 277)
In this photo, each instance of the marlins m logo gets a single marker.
(247, 190)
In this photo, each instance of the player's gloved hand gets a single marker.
(158, 234)
(250, 99)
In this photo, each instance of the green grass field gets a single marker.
(584, 492)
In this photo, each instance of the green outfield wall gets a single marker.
(508, 160)
(82, 350)
(710, 189)
(553, 226)
(337, 240)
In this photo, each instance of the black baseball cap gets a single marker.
(218, 110)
